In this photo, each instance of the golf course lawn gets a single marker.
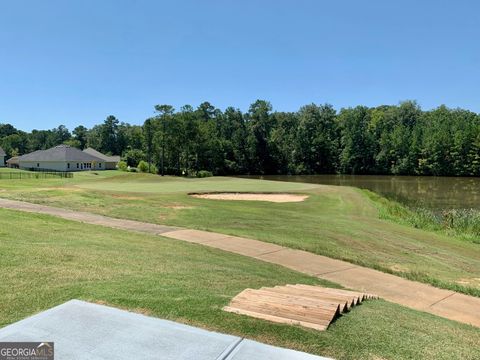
(45, 261)
(339, 222)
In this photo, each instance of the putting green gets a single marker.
(148, 184)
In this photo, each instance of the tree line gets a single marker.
(401, 140)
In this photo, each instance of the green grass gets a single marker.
(52, 260)
(462, 223)
(7, 170)
(339, 222)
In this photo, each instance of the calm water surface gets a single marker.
(436, 193)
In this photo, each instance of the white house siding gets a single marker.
(2, 161)
(110, 165)
(61, 165)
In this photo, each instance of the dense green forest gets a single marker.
(401, 139)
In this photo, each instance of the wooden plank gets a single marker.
(275, 319)
(342, 291)
(305, 305)
(342, 305)
(303, 293)
(344, 302)
(352, 299)
(286, 306)
(300, 299)
(281, 311)
(355, 296)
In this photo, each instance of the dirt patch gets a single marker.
(70, 189)
(398, 268)
(469, 282)
(142, 311)
(177, 207)
(272, 197)
(126, 197)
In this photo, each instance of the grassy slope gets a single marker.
(335, 221)
(53, 260)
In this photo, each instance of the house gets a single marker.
(61, 158)
(13, 162)
(111, 162)
(2, 157)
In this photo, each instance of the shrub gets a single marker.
(134, 156)
(142, 166)
(204, 174)
(122, 165)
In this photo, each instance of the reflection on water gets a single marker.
(436, 193)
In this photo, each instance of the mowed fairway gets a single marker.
(45, 261)
(339, 222)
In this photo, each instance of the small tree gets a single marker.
(134, 156)
(142, 166)
(122, 165)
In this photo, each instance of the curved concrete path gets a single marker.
(445, 303)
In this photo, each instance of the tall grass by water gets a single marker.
(464, 223)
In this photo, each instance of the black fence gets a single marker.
(18, 175)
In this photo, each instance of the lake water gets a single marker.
(436, 193)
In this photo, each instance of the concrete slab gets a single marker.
(244, 246)
(458, 307)
(305, 262)
(194, 236)
(235, 244)
(86, 217)
(82, 330)
(390, 287)
(248, 350)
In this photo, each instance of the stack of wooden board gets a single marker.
(305, 305)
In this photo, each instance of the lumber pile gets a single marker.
(305, 305)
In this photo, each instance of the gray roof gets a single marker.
(98, 154)
(2, 153)
(60, 153)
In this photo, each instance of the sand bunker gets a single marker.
(276, 198)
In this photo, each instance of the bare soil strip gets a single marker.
(444, 303)
(276, 198)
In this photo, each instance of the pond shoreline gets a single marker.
(434, 193)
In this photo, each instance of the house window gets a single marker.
(38, 164)
(68, 165)
(78, 165)
(99, 165)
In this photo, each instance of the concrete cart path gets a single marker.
(86, 331)
(445, 303)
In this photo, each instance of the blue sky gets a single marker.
(76, 62)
